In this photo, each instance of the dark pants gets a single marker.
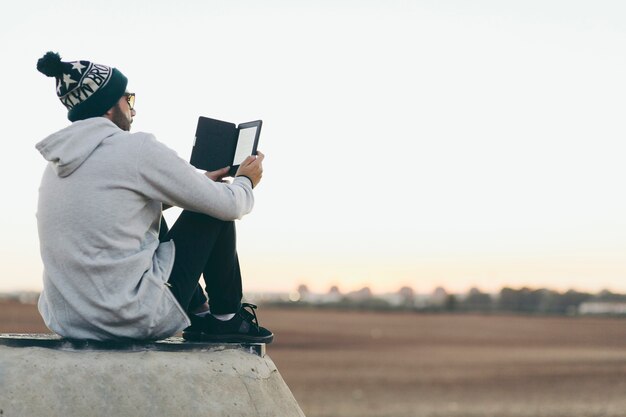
(207, 246)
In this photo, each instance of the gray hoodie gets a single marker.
(98, 216)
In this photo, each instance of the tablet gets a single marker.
(219, 144)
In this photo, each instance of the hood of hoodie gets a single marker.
(68, 148)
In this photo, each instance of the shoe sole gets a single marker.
(226, 338)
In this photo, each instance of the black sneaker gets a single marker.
(243, 328)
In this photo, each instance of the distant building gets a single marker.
(361, 295)
(602, 307)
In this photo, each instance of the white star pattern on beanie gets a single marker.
(68, 80)
(59, 87)
(78, 66)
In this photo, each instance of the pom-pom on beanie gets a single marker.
(86, 89)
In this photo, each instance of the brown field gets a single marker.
(404, 364)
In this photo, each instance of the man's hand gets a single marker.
(252, 167)
(219, 175)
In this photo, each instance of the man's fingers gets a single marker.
(250, 159)
(252, 168)
(217, 175)
(221, 172)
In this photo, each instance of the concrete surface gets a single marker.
(171, 344)
(196, 380)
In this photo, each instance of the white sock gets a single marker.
(224, 317)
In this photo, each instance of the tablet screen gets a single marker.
(245, 144)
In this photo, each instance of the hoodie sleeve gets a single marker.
(163, 176)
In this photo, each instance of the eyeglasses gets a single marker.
(130, 98)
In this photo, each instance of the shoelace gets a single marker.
(250, 315)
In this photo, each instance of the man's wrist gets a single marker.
(245, 176)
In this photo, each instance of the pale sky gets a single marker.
(418, 143)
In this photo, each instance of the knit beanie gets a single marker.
(85, 88)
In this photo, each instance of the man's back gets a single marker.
(99, 238)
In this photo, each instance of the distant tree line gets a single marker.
(522, 300)
(525, 300)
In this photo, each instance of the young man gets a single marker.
(112, 269)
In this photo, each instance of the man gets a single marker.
(112, 269)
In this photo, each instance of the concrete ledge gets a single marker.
(43, 375)
(171, 344)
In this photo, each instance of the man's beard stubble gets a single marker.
(120, 119)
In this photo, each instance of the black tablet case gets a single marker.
(217, 146)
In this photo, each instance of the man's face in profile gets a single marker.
(122, 113)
